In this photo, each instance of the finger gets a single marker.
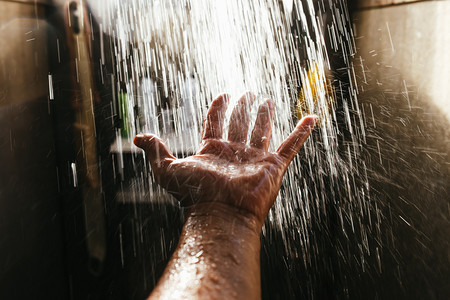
(213, 125)
(240, 119)
(289, 148)
(157, 152)
(263, 126)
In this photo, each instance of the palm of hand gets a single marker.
(245, 177)
(231, 172)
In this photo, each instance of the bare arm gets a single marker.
(229, 186)
(217, 257)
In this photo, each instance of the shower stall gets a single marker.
(363, 213)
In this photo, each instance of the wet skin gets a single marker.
(229, 185)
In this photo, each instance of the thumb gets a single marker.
(289, 148)
(156, 150)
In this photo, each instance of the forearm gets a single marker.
(217, 256)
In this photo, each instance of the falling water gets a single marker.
(174, 57)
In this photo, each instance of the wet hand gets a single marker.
(232, 172)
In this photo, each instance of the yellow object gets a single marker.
(308, 101)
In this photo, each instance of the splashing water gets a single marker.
(176, 56)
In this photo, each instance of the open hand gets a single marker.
(247, 177)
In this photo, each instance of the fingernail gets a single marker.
(138, 140)
(309, 121)
(226, 98)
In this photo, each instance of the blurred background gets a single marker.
(80, 216)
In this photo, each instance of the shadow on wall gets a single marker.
(402, 89)
(31, 235)
(402, 94)
(407, 152)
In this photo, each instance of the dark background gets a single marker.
(42, 232)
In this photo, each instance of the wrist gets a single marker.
(226, 216)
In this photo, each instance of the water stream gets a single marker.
(174, 57)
